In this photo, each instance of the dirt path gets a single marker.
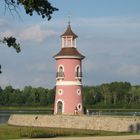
(130, 137)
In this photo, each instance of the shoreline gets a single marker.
(16, 108)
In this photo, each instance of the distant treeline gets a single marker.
(29, 96)
(112, 95)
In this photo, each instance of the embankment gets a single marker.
(107, 123)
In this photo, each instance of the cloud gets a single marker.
(7, 33)
(4, 81)
(129, 70)
(89, 65)
(109, 22)
(111, 47)
(38, 67)
(5, 28)
(3, 23)
(36, 34)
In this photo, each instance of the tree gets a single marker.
(51, 96)
(105, 93)
(44, 97)
(11, 42)
(6, 95)
(41, 7)
(134, 97)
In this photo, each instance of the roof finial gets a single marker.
(69, 20)
(68, 23)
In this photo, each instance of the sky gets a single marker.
(108, 35)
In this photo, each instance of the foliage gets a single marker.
(11, 42)
(114, 95)
(41, 7)
(29, 96)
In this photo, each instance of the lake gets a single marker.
(4, 115)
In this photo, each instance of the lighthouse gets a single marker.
(68, 97)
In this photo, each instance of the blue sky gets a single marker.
(108, 31)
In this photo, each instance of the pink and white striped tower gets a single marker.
(68, 96)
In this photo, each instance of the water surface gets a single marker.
(4, 115)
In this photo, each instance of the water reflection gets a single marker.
(4, 118)
(4, 115)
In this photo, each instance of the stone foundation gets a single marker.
(107, 123)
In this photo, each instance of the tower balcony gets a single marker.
(78, 75)
(59, 75)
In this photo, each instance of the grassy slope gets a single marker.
(12, 132)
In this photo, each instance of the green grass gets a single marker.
(12, 108)
(13, 132)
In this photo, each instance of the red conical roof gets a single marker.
(69, 32)
(69, 52)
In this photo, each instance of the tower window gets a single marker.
(65, 42)
(78, 72)
(60, 91)
(61, 69)
(60, 73)
(79, 106)
(68, 42)
(78, 92)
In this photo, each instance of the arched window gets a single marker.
(78, 72)
(59, 107)
(61, 69)
(60, 72)
(78, 69)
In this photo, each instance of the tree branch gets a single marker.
(11, 42)
(41, 7)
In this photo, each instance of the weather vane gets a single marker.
(69, 19)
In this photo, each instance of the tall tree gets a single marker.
(105, 92)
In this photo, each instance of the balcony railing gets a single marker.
(60, 75)
(79, 74)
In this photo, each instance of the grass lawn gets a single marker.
(45, 108)
(12, 108)
(13, 132)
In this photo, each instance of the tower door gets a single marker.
(59, 107)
